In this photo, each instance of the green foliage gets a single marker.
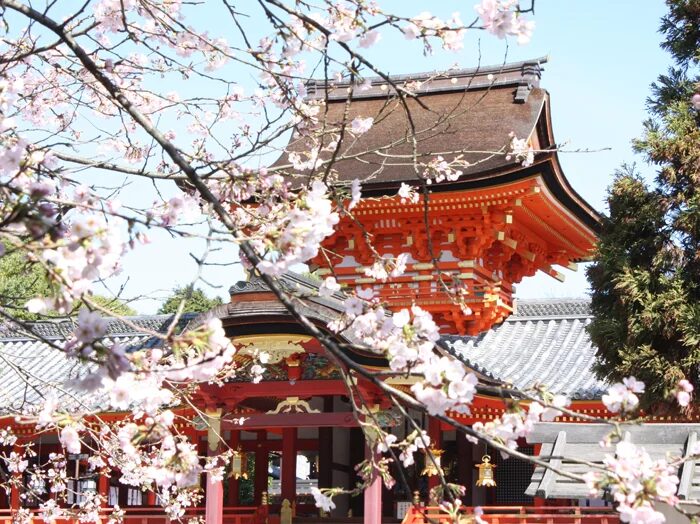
(20, 281)
(115, 306)
(646, 279)
(196, 301)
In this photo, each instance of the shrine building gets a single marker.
(481, 234)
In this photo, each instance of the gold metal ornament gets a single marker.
(486, 478)
(432, 467)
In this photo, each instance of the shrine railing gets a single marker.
(518, 515)
(231, 515)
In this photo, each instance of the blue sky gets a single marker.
(602, 57)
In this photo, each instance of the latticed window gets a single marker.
(134, 497)
(512, 478)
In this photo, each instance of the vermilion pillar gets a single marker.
(373, 498)
(214, 505)
(233, 483)
(435, 434)
(14, 490)
(261, 460)
(325, 450)
(289, 464)
(103, 487)
(14, 498)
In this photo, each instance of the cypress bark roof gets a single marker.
(468, 112)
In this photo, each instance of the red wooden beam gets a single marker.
(293, 420)
(303, 444)
(281, 389)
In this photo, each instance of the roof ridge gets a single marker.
(553, 299)
(60, 328)
(478, 70)
(550, 308)
(525, 74)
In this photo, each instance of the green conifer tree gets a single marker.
(196, 301)
(646, 278)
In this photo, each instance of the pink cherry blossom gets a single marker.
(360, 125)
(370, 38)
(683, 392)
(356, 193)
(695, 101)
(70, 439)
(328, 287)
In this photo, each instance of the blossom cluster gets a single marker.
(296, 235)
(683, 392)
(407, 339)
(518, 423)
(622, 396)
(439, 169)
(636, 481)
(521, 150)
(425, 24)
(502, 18)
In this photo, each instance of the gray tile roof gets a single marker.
(31, 368)
(61, 328)
(544, 341)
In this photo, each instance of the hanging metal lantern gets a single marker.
(432, 467)
(239, 465)
(486, 478)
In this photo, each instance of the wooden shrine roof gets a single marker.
(472, 116)
(581, 442)
(469, 113)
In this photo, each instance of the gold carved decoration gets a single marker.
(277, 347)
(293, 405)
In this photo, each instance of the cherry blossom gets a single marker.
(297, 235)
(143, 124)
(408, 194)
(16, 463)
(328, 287)
(695, 101)
(385, 268)
(636, 481)
(683, 392)
(521, 150)
(501, 18)
(322, 501)
(360, 125)
(70, 439)
(621, 396)
(356, 193)
(439, 169)
(370, 38)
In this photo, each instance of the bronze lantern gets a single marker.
(486, 478)
(432, 467)
(239, 465)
